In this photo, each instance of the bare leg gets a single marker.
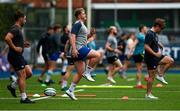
(139, 73)
(166, 63)
(43, 71)
(152, 74)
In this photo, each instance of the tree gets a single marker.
(7, 17)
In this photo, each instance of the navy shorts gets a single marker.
(112, 59)
(83, 52)
(54, 56)
(153, 62)
(17, 61)
(70, 61)
(138, 58)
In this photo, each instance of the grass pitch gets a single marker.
(97, 98)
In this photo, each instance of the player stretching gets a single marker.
(153, 56)
(79, 51)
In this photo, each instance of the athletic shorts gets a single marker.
(112, 59)
(128, 59)
(122, 57)
(138, 58)
(70, 61)
(54, 56)
(17, 61)
(83, 52)
(152, 63)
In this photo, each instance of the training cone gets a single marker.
(36, 95)
(125, 98)
(159, 85)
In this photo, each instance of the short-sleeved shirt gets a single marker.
(92, 45)
(113, 44)
(128, 42)
(151, 39)
(53, 43)
(139, 49)
(63, 41)
(80, 30)
(43, 42)
(17, 39)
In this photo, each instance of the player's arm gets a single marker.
(8, 40)
(66, 47)
(148, 49)
(39, 45)
(160, 45)
(108, 47)
(73, 44)
(111, 49)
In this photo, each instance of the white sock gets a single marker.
(72, 87)
(64, 83)
(88, 69)
(14, 85)
(138, 83)
(23, 96)
(65, 64)
(48, 77)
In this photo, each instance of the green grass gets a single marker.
(105, 99)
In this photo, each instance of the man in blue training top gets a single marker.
(138, 54)
(80, 52)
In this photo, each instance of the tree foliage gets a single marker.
(7, 17)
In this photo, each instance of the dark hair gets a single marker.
(159, 22)
(50, 28)
(93, 31)
(141, 27)
(78, 11)
(57, 26)
(18, 14)
(64, 28)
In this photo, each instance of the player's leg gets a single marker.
(152, 73)
(165, 63)
(67, 75)
(139, 74)
(110, 74)
(52, 65)
(80, 66)
(94, 58)
(40, 78)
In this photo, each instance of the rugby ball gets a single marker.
(50, 92)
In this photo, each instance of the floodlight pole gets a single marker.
(89, 14)
(115, 12)
(70, 13)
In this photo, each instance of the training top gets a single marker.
(139, 49)
(80, 30)
(113, 44)
(17, 39)
(151, 39)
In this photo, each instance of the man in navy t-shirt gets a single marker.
(153, 56)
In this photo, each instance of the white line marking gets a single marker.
(41, 98)
(81, 98)
(79, 90)
(104, 86)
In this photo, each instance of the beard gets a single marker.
(22, 24)
(115, 33)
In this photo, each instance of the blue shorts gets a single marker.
(54, 56)
(83, 52)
